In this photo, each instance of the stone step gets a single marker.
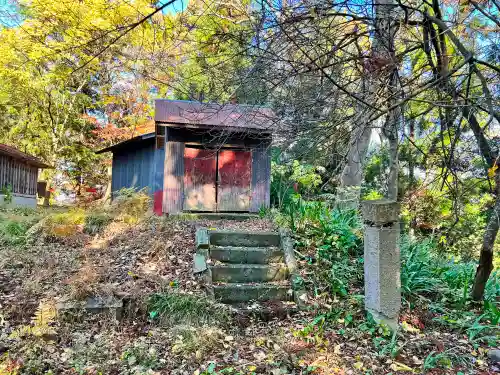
(249, 255)
(244, 239)
(249, 273)
(233, 293)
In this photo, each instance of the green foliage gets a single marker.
(446, 359)
(418, 277)
(141, 358)
(334, 235)
(12, 232)
(63, 224)
(130, 205)
(291, 177)
(71, 217)
(458, 226)
(446, 285)
(375, 168)
(95, 222)
(171, 307)
(427, 273)
(6, 191)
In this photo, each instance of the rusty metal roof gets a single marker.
(232, 116)
(19, 155)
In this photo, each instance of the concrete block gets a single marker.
(299, 292)
(93, 305)
(18, 201)
(248, 255)
(202, 239)
(382, 270)
(249, 273)
(230, 293)
(380, 212)
(199, 263)
(249, 239)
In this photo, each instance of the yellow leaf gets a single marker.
(358, 365)
(252, 368)
(409, 328)
(492, 170)
(397, 366)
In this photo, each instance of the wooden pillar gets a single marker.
(173, 178)
(261, 177)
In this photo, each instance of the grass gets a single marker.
(20, 225)
(199, 341)
(12, 232)
(172, 308)
(95, 222)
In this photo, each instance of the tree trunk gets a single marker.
(352, 174)
(485, 266)
(384, 50)
(107, 194)
(46, 198)
(391, 133)
(411, 177)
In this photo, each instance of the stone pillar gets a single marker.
(382, 263)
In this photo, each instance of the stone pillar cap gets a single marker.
(380, 211)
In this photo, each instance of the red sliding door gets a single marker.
(235, 176)
(200, 168)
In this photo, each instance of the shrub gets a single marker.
(418, 271)
(426, 272)
(334, 235)
(95, 222)
(72, 217)
(173, 307)
(289, 178)
(6, 191)
(63, 224)
(13, 232)
(130, 205)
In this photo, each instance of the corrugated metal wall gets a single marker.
(134, 167)
(162, 172)
(261, 177)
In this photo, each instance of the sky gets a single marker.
(8, 13)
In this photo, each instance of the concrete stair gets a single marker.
(244, 267)
(249, 273)
(234, 293)
(249, 255)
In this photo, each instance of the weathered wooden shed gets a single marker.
(18, 176)
(202, 158)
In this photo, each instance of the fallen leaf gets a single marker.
(397, 366)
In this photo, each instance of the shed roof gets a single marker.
(232, 116)
(22, 156)
(128, 142)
